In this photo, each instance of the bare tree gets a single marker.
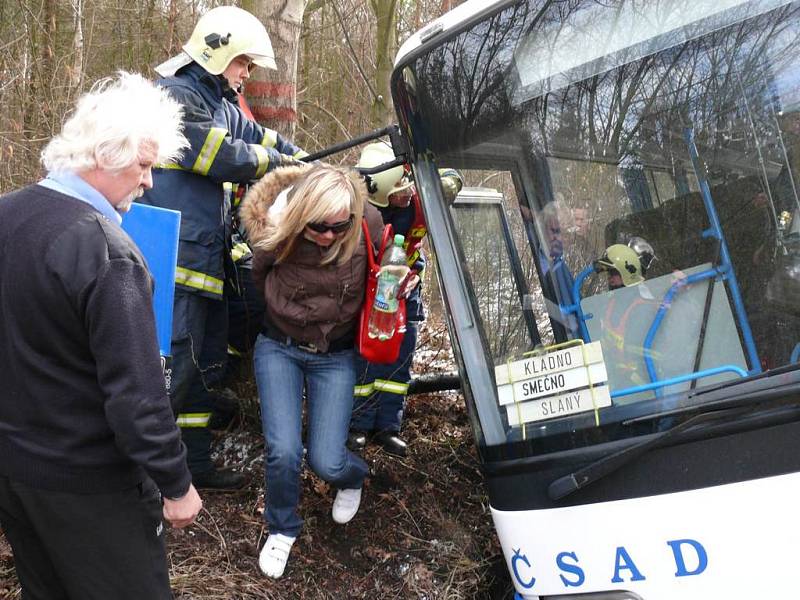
(76, 70)
(272, 95)
(385, 12)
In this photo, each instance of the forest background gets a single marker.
(424, 530)
(332, 83)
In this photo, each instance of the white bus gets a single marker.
(622, 281)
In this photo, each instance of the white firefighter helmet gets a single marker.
(383, 184)
(623, 260)
(219, 36)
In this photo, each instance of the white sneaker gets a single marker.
(345, 505)
(274, 554)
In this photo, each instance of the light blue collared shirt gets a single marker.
(70, 184)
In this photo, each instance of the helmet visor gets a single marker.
(267, 62)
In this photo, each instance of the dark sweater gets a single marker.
(83, 406)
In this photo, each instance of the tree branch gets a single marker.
(353, 52)
(330, 114)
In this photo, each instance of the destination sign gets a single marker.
(552, 362)
(551, 407)
(552, 384)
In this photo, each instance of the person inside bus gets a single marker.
(381, 390)
(581, 221)
(625, 266)
(310, 260)
(555, 221)
(566, 230)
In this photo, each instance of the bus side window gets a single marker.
(500, 264)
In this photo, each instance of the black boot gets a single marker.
(391, 442)
(356, 440)
(226, 409)
(218, 480)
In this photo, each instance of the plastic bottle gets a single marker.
(383, 320)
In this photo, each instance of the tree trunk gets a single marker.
(272, 95)
(173, 43)
(76, 69)
(385, 50)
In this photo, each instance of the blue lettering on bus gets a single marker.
(521, 557)
(686, 553)
(680, 563)
(624, 561)
(571, 568)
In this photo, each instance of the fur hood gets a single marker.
(262, 195)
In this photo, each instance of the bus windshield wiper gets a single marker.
(753, 401)
(563, 486)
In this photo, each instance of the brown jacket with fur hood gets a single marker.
(312, 303)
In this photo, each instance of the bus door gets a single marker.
(492, 260)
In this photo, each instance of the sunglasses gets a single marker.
(339, 227)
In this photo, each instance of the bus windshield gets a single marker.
(628, 237)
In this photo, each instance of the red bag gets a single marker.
(372, 349)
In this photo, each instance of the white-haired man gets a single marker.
(87, 434)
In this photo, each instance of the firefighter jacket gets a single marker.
(226, 149)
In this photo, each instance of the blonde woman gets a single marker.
(310, 260)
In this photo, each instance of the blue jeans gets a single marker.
(281, 373)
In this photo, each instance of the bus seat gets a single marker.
(673, 229)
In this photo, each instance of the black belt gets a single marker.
(343, 343)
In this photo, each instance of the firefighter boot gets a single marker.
(218, 479)
(391, 442)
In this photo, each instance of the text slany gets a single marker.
(549, 407)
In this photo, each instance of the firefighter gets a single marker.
(381, 391)
(626, 266)
(227, 149)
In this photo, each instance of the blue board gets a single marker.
(155, 231)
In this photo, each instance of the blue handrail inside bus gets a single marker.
(725, 257)
(679, 379)
(576, 299)
(647, 346)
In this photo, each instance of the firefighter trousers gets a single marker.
(381, 390)
(199, 353)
